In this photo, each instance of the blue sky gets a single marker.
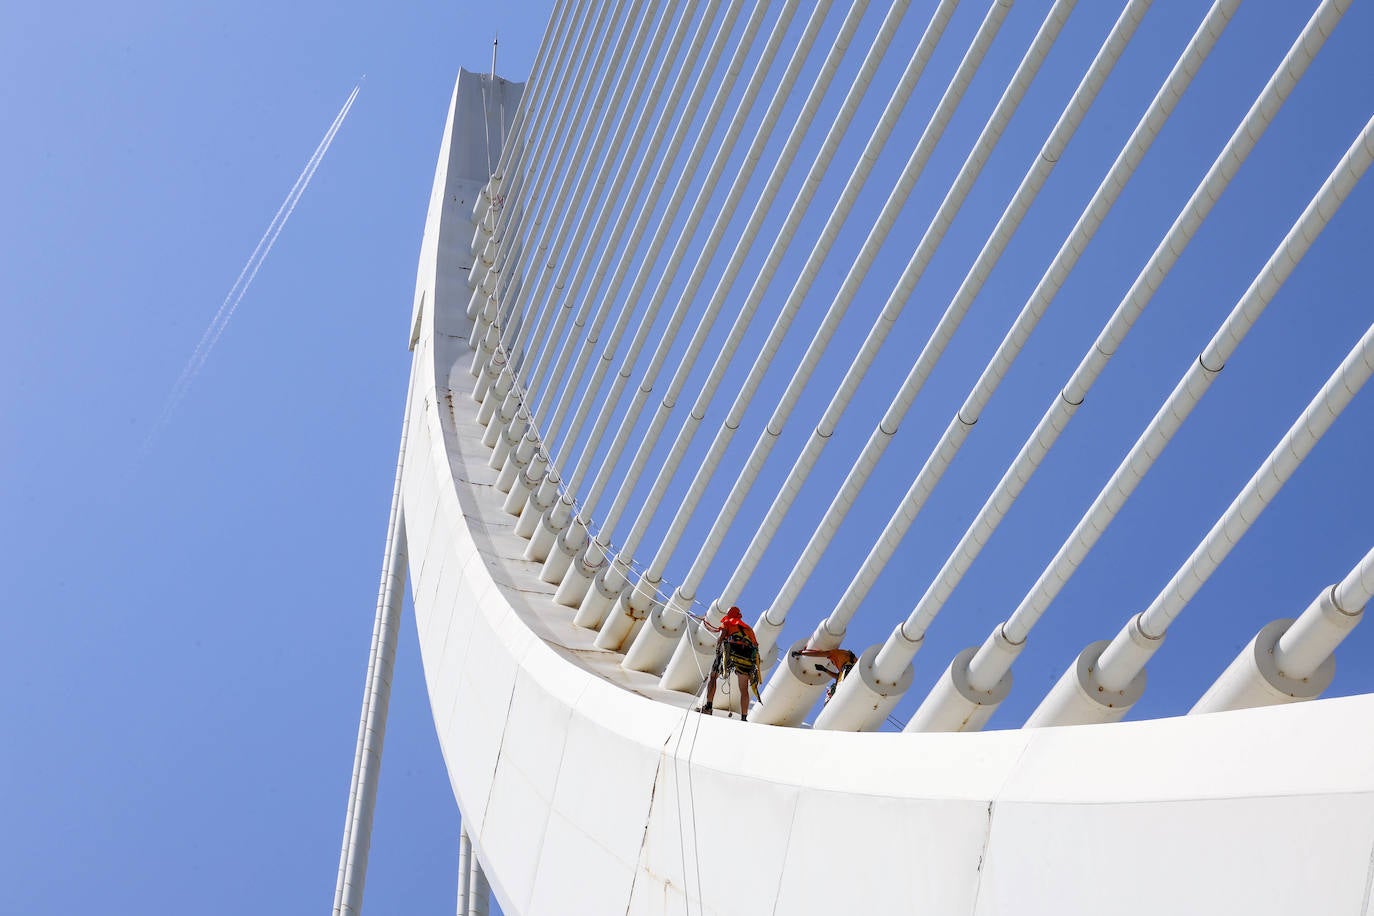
(188, 626)
(188, 630)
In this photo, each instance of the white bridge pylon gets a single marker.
(983, 320)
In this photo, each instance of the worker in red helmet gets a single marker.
(737, 650)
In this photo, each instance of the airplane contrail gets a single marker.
(250, 269)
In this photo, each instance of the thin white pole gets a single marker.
(479, 891)
(464, 870)
(367, 761)
(499, 318)
(503, 308)
(572, 90)
(1352, 593)
(544, 361)
(533, 102)
(1166, 607)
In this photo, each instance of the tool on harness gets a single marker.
(740, 654)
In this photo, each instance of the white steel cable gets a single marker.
(1119, 488)
(1167, 606)
(1354, 591)
(752, 157)
(554, 215)
(810, 107)
(968, 290)
(512, 478)
(1311, 639)
(1293, 659)
(952, 96)
(930, 241)
(603, 147)
(720, 160)
(572, 53)
(522, 189)
(597, 112)
(534, 103)
(850, 708)
(771, 622)
(839, 126)
(535, 377)
(819, 252)
(534, 93)
(636, 606)
(527, 462)
(544, 528)
(985, 669)
(1088, 222)
(573, 89)
(530, 184)
(572, 593)
(559, 515)
(555, 41)
(597, 600)
(537, 481)
(721, 155)
(562, 367)
(498, 316)
(1118, 666)
(523, 453)
(557, 519)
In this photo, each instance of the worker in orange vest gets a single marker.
(842, 659)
